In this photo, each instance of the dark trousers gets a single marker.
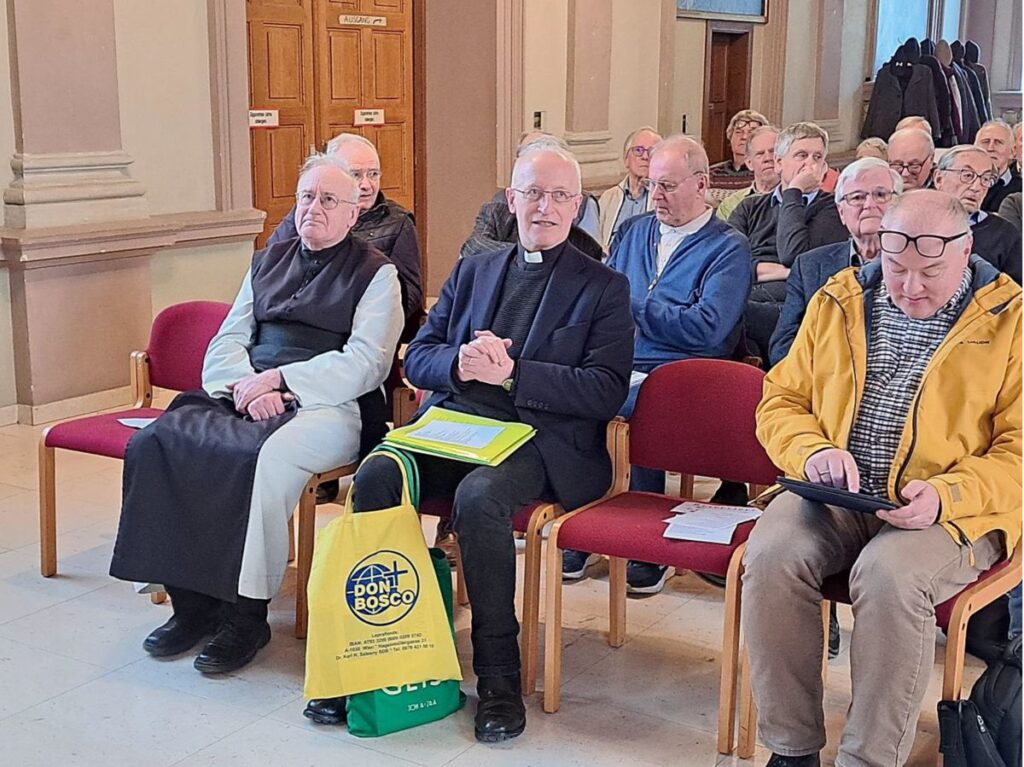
(485, 498)
(762, 315)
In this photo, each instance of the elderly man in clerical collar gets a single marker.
(760, 158)
(865, 189)
(862, 403)
(997, 139)
(291, 387)
(968, 173)
(629, 197)
(535, 332)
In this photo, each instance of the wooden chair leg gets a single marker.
(825, 610)
(748, 711)
(461, 595)
(291, 541)
(953, 667)
(730, 657)
(616, 601)
(553, 628)
(47, 510)
(307, 529)
(158, 597)
(531, 599)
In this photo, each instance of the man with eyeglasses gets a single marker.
(536, 332)
(796, 217)
(761, 160)
(911, 154)
(903, 384)
(967, 173)
(689, 275)
(997, 139)
(734, 174)
(865, 189)
(382, 223)
(629, 197)
(291, 387)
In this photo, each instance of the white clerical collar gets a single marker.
(533, 257)
(1005, 178)
(690, 227)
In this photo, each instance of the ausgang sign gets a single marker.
(363, 21)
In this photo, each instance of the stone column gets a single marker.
(588, 87)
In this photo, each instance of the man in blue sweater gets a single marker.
(689, 277)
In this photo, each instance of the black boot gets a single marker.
(501, 714)
(196, 616)
(811, 760)
(245, 630)
(327, 492)
(326, 710)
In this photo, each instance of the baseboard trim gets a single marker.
(8, 415)
(34, 415)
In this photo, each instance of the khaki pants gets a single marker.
(897, 577)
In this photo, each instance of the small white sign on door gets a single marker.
(363, 21)
(263, 118)
(369, 117)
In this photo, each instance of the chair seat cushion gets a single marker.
(837, 589)
(98, 434)
(442, 507)
(631, 525)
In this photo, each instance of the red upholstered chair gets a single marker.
(692, 417)
(172, 360)
(951, 616)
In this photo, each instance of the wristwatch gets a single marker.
(507, 384)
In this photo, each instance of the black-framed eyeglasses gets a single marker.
(535, 194)
(914, 167)
(328, 201)
(642, 151)
(859, 199)
(968, 176)
(745, 124)
(650, 184)
(928, 245)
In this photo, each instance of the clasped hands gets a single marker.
(259, 395)
(485, 359)
(836, 468)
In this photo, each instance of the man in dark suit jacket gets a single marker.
(998, 141)
(535, 332)
(864, 191)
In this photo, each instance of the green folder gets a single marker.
(461, 437)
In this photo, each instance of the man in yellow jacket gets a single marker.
(903, 383)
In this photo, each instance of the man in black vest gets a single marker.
(291, 386)
(535, 332)
(997, 140)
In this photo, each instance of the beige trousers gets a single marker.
(897, 577)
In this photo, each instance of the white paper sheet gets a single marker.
(459, 434)
(707, 523)
(135, 423)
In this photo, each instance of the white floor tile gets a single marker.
(29, 676)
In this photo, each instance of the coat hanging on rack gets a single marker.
(973, 84)
(972, 55)
(901, 88)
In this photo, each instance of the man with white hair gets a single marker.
(865, 189)
(968, 172)
(732, 174)
(903, 385)
(382, 223)
(911, 153)
(760, 158)
(998, 141)
(535, 332)
(291, 387)
(629, 197)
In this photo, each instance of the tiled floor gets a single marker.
(77, 689)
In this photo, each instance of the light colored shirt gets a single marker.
(672, 236)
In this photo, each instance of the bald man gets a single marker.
(911, 153)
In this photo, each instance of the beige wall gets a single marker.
(688, 93)
(798, 92)
(6, 110)
(164, 81)
(545, 61)
(8, 393)
(211, 273)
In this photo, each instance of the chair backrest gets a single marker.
(697, 417)
(178, 341)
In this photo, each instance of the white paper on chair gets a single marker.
(707, 523)
(135, 423)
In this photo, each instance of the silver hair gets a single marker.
(633, 134)
(878, 144)
(696, 156)
(545, 140)
(951, 206)
(999, 124)
(336, 143)
(917, 133)
(858, 168)
(760, 131)
(743, 114)
(909, 120)
(796, 132)
(324, 160)
(551, 145)
(947, 159)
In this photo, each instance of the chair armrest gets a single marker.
(142, 389)
(618, 449)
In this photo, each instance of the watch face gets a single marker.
(507, 384)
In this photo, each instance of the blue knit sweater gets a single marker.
(695, 308)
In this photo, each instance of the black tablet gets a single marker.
(866, 504)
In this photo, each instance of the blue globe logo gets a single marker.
(382, 588)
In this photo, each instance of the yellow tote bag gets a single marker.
(376, 618)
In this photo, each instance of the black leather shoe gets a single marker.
(811, 760)
(501, 713)
(731, 494)
(244, 632)
(327, 492)
(326, 710)
(179, 635)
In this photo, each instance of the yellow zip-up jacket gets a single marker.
(963, 429)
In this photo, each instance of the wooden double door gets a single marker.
(318, 68)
